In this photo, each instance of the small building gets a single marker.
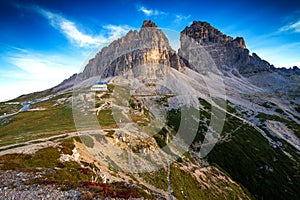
(99, 86)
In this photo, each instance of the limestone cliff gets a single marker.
(227, 53)
(149, 45)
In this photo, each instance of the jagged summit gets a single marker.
(136, 48)
(228, 53)
(150, 46)
(205, 34)
(149, 23)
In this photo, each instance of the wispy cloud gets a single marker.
(33, 71)
(78, 37)
(294, 27)
(68, 28)
(34, 66)
(181, 19)
(150, 12)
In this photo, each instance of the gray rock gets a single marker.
(226, 52)
(136, 48)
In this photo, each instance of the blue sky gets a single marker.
(44, 42)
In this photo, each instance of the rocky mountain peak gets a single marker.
(149, 23)
(228, 54)
(148, 46)
(205, 34)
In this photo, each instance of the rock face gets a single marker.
(149, 23)
(147, 46)
(227, 53)
(293, 70)
(150, 46)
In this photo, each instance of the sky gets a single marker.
(44, 42)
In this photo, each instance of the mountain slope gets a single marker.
(174, 113)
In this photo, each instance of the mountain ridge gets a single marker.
(229, 54)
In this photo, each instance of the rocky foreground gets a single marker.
(14, 185)
(21, 185)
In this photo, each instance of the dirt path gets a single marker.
(32, 146)
(245, 121)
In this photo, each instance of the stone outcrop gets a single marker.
(144, 47)
(226, 52)
(149, 23)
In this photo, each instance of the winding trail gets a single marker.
(245, 121)
(32, 146)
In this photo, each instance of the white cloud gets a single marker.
(295, 27)
(181, 18)
(69, 29)
(77, 37)
(34, 72)
(41, 68)
(150, 12)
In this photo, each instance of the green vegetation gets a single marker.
(138, 113)
(106, 119)
(157, 178)
(205, 104)
(174, 121)
(185, 186)
(9, 108)
(110, 87)
(297, 108)
(68, 144)
(36, 124)
(295, 127)
(279, 110)
(160, 142)
(32, 96)
(47, 157)
(106, 96)
(98, 104)
(53, 101)
(87, 141)
(67, 174)
(110, 133)
(248, 158)
(131, 103)
(163, 100)
(101, 138)
(268, 104)
(142, 119)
